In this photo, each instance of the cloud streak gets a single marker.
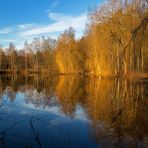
(5, 30)
(58, 23)
(61, 22)
(7, 40)
(53, 6)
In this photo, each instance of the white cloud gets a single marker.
(61, 22)
(58, 16)
(53, 6)
(5, 30)
(7, 40)
(25, 26)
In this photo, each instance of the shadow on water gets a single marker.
(72, 111)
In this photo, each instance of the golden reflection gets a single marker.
(116, 108)
(70, 92)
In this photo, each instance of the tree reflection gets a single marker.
(70, 92)
(116, 108)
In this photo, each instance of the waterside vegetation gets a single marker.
(114, 44)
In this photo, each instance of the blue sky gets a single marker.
(24, 19)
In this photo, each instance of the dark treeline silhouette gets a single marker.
(115, 43)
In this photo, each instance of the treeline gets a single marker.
(115, 43)
(35, 56)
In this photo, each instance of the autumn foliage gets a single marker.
(114, 43)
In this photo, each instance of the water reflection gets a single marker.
(72, 111)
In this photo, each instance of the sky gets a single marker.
(22, 20)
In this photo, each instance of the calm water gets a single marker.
(72, 112)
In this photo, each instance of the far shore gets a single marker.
(131, 75)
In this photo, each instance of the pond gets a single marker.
(38, 111)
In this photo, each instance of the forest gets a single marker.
(114, 44)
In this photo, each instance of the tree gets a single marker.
(67, 53)
(11, 57)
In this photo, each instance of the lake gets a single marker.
(38, 111)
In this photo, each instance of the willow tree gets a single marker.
(117, 36)
(66, 53)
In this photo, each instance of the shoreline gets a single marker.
(131, 75)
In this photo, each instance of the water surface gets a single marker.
(72, 112)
